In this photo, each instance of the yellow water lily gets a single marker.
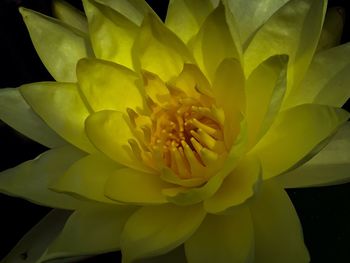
(173, 141)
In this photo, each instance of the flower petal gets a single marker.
(110, 133)
(237, 187)
(298, 130)
(70, 15)
(87, 178)
(109, 86)
(159, 50)
(134, 187)
(15, 111)
(221, 239)
(330, 166)
(156, 230)
(106, 27)
(59, 45)
(61, 107)
(176, 255)
(185, 17)
(93, 230)
(278, 233)
(30, 180)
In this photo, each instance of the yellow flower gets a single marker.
(175, 141)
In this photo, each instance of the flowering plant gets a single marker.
(174, 141)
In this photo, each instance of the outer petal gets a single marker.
(30, 180)
(17, 113)
(91, 230)
(185, 17)
(134, 187)
(221, 239)
(296, 133)
(159, 50)
(278, 233)
(61, 107)
(327, 79)
(59, 45)
(155, 230)
(87, 178)
(70, 15)
(106, 27)
(174, 256)
(108, 86)
(330, 166)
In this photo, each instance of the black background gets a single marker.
(324, 212)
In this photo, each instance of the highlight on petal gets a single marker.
(109, 86)
(30, 180)
(224, 238)
(92, 230)
(58, 45)
(295, 133)
(61, 107)
(330, 166)
(159, 50)
(156, 230)
(70, 15)
(15, 112)
(112, 34)
(277, 230)
(86, 178)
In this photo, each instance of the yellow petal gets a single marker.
(185, 17)
(92, 230)
(237, 187)
(134, 187)
(158, 50)
(330, 166)
(174, 256)
(109, 86)
(70, 15)
(15, 112)
(110, 133)
(58, 45)
(61, 107)
(295, 133)
(87, 178)
(207, 50)
(221, 239)
(156, 230)
(106, 27)
(30, 180)
(278, 233)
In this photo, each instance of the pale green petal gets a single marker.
(109, 86)
(174, 256)
(330, 166)
(265, 89)
(159, 50)
(278, 233)
(93, 230)
(295, 133)
(30, 180)
(222, 239)
(238, 186)
(112, 35)
(213, 43)
(110, 133)
(15, 111)
(70, 15)
(87, 178)
(156, 230)
(185, 17)
(61, 107)
(58, 45)
(294, 30)
(36, 241)
(327, 81)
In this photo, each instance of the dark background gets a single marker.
(324, 212)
